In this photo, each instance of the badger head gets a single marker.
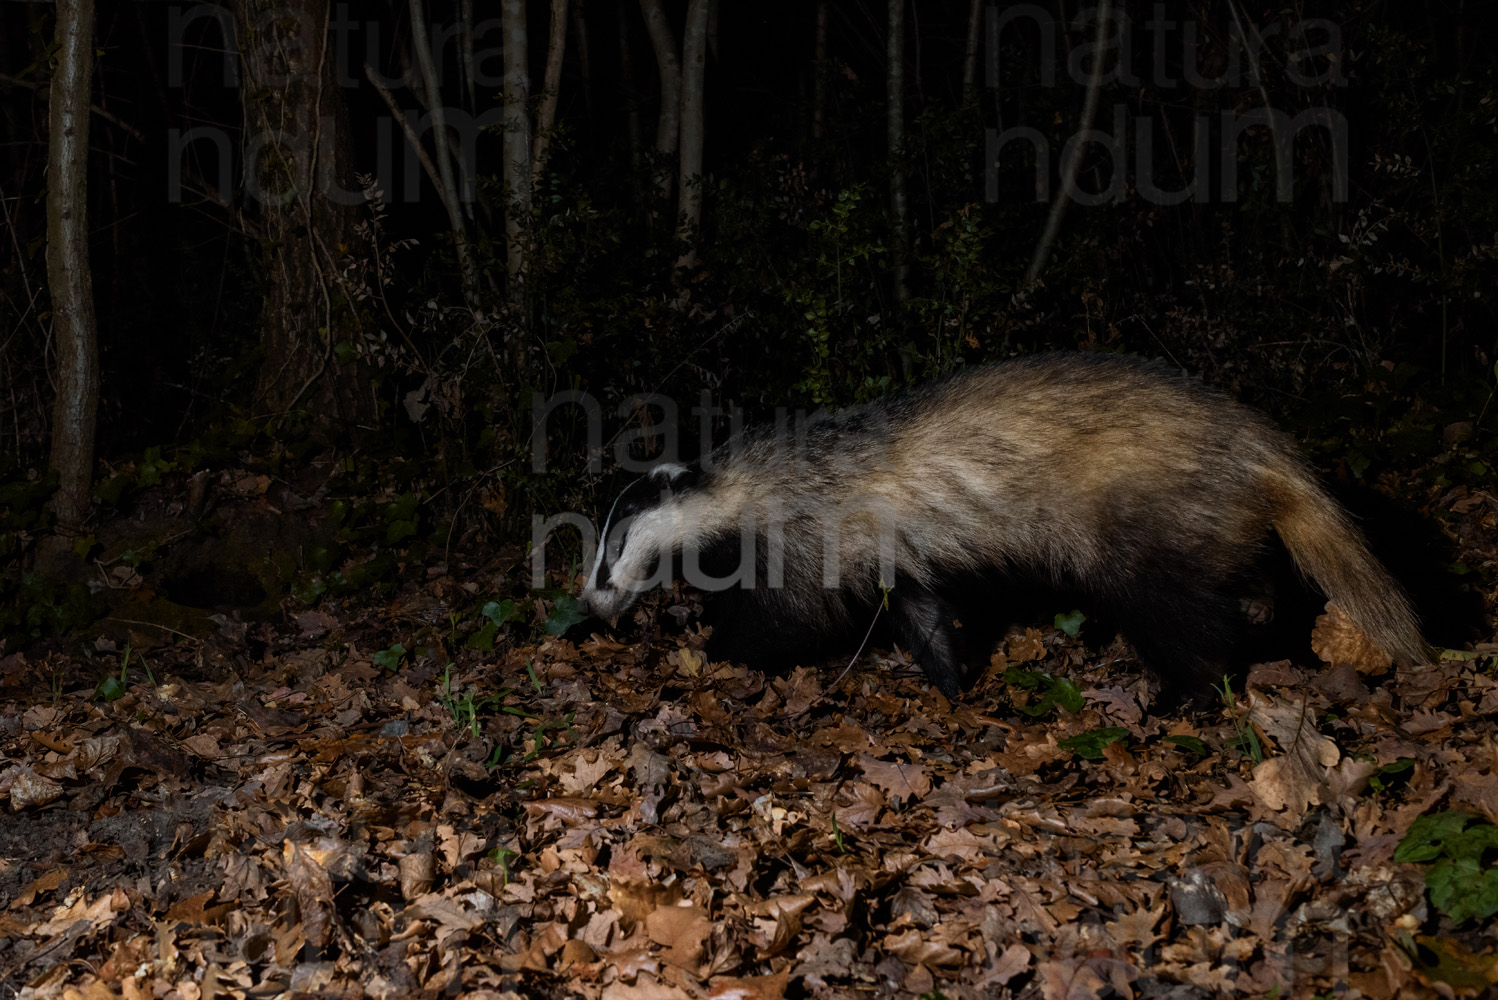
(638, 541)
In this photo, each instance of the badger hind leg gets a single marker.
(1187, 631)
(924, 625)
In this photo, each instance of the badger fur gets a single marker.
(1120, 479)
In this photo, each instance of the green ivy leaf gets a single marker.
(564, 615)
(389, 659)
(1462, 889)
(1190, 743)
(1090, 745)
(1071, 622)
(483, 639)
(500, 612)
(1427, 836)
(1382, 779)
(110, 688)
(1053, 691)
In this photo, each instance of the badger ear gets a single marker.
(673, 476)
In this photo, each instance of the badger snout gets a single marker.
(596, 604)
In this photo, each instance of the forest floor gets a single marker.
(361, 800)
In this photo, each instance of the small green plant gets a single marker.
(502, 856)
(389, 659)
(1191, 744)
(1051, 691)
(1391, 775)
(542, 742)
(465, 708)
(1462, 849)
(1246, 741)
(499, 614)
(565, 613)
(112, 688)
(1070, 622)
(1091, 744)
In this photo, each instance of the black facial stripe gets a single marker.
(641, 495)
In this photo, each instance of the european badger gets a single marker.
(1118, 478)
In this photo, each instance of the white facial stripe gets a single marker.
(671, 470)
(603, 544)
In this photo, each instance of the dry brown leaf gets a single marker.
(1301, 775)
(26, 788)
(645, 987)
(750, 988)
(683, 931)
(1026, 647)
(1337, 640)
(899, 779)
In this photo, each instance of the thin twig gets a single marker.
(1072, 164)
(857, 653)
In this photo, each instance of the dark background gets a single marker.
(1365, 324)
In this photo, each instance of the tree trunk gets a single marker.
(970, 57)
(694, 65)
(546, 115)
(895, 94)
(668, 126)
(298, 188)
(584, 58)
(631, 94)
(819, 77)
(452, 197)
(68, 275)
(517, 145)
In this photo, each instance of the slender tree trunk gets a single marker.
(694, 65)
(452, 197)
(668, 126)
(299, 189)
(465, 50)
(895, 94)
(970, 57)
(584, 57)
(819, 77)
(556, 45)
(631, 93)
(69, 277)
(517, 143)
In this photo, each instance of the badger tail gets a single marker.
(1328, 547)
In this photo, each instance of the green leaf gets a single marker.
(1190, 743)
(1071, 623)
(1462, 889)
(1382, 779)
(1090, 744)
(110, 688)
(500, 612)
(1427, 836)
(564, 615)
(398, 530)
(483, 639)
(389, 659)
(1053, 691)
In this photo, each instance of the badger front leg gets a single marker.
(925, 625)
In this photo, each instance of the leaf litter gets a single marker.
(299, 810)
